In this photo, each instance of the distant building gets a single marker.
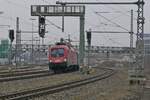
(4, 51)
(4, 48)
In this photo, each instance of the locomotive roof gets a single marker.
(63, 46)
(59, 46)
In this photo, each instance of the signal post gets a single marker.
(11, 37)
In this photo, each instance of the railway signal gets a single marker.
(42, 20)
(42, 33)
(11, 35)
(88, 33)
(41, 26)
(88, 37)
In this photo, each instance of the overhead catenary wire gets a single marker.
(112, 25)
(52, 23)
(111, 40)
(108, 38)
(13, 19)
(16, 4)
(20, 6)
(111, 21)
(107, 24)
(115, 41)
(121, 11)
(120, 14)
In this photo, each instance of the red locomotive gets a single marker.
(63, 57)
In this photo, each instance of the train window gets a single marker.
(57, 52)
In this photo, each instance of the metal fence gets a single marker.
(24, 54)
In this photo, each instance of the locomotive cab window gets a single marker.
(57, 52)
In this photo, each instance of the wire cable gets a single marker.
(112, 22)
(54, 24)
(16, 4)
(121, 11)
(20, 5)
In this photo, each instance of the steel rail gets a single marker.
(57, 88)
(10, 74)
(27, 76)
(5, 70)
(18, 71)
(21, 69)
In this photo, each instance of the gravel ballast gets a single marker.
(19, 85)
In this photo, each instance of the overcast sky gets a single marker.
(116, 13)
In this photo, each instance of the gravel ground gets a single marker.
(19, 85)
(146, 94)
(112, 88)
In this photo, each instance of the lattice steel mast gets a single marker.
(139, 70)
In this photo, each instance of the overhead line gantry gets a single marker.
(138, 74)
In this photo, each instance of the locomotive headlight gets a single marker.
(65, 60)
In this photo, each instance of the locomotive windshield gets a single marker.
(57, 52)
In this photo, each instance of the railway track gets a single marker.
(16, 71)
(146, 95)
(21, 69)
(24, 75)
(10, 74)
(57, 88)
(6, 68)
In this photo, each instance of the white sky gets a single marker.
(21, 8)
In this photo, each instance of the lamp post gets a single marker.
(32, 19)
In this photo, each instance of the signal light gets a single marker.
(42, 20)
(11, 35)
(88, 37)
(42, 33)
(41, 26)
